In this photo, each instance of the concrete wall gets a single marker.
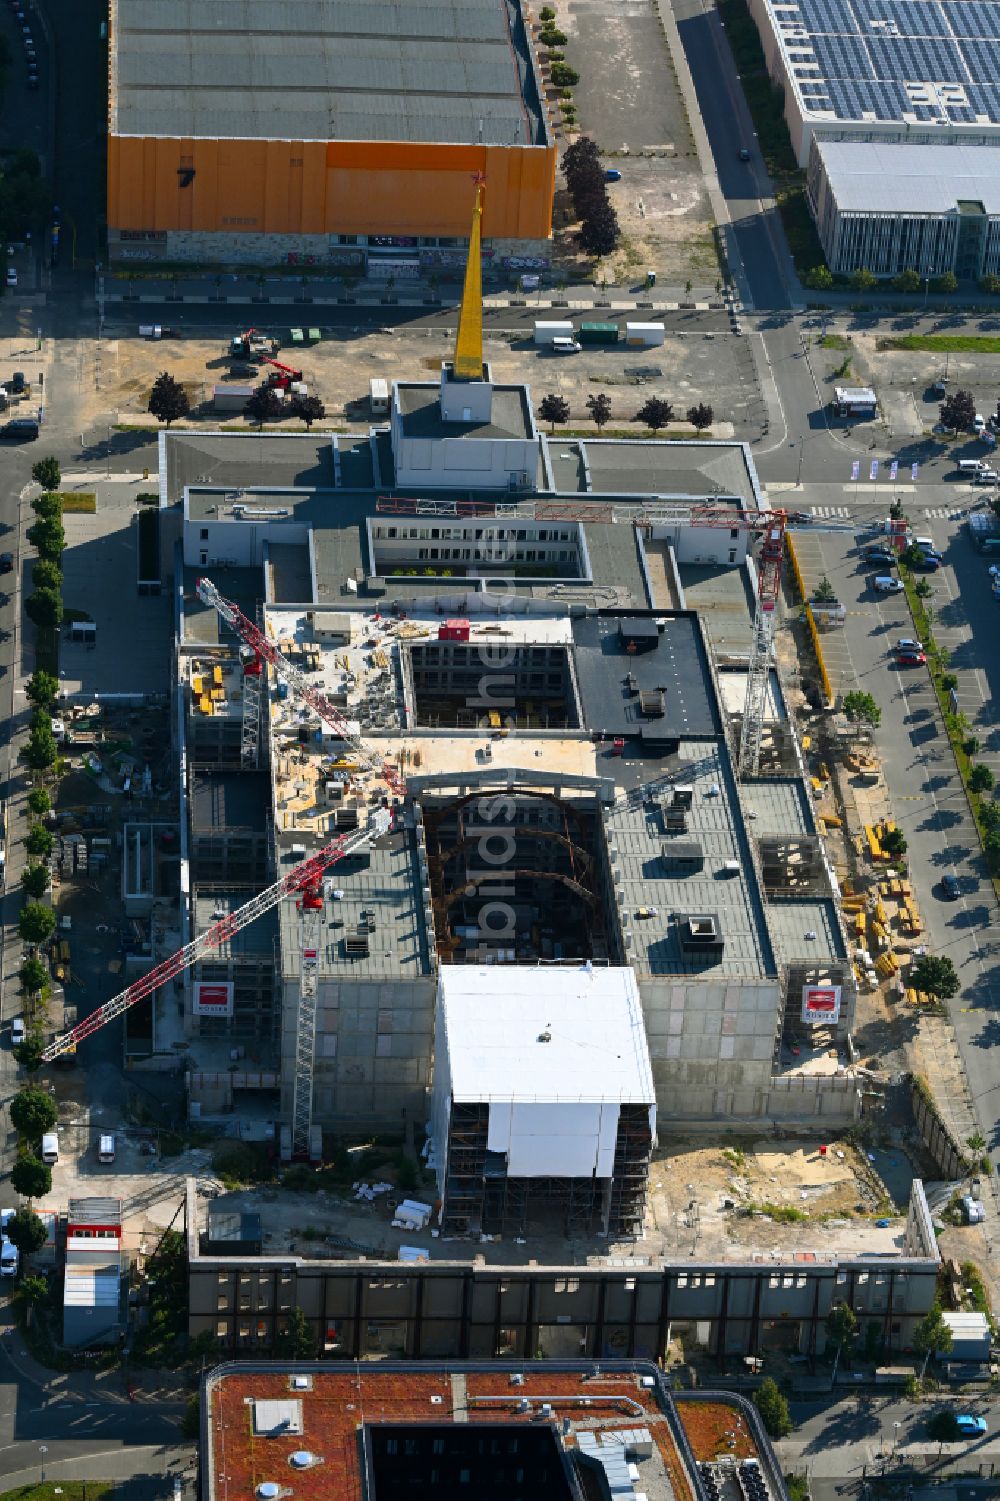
(373, 1050)
(705, 544)
(238, 544)
(711, 1044)
(458, 1309)
(461, 463)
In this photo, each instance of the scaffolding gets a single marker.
(482, 1198)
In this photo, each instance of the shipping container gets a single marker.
(546, 332)
(644, 335)
(231, 398)
(599, 333)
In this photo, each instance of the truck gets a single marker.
(546, 333)
(231, 398)
(854, 401)
(644, 335)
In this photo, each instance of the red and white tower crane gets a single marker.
(305, 882)
(770, 525)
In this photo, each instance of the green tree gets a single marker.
(41, 689)
(841, 1329)
(907, 281)
(700, 416)
(264, 405)
(990, 284)
(47, 506)
(45, 574)
(48, 537)
(26, 1231)
(943, 1427)
(989, 815)
(932, 1335)
(991, 844)
(33, 1290)
(600, 230)
(893, 841)
(41, 750)
(33, 1112)
(820, 279)
(191, 1418)
(39, 842)
(44, 607)
(981, 779)
(35, 881)
(39, 802)
(949, 680)
(773, 1408)
(655, 413)
(824, 592)
(896, 512)
(922, 588)
(36, 922)
(307, 409)
(553, 409)
(861, 708)
(168, 400)
(298, 1340)
(563, 76)
(30, 1178)
(946, 282)
(29, 1054)
(957, 411)
(599, 407)
(863, 280)
(33, 975)
(46, 472)
(935, 974)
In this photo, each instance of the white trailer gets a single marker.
(547, 333)
(644, 335)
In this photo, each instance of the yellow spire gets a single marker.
(469, 338)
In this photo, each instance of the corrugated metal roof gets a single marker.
(323, 70)
(875, 177)
(95, 1211)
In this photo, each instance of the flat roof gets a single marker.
(594, 1047)
(677, 664)
(794, 919)
(637, 466)
(337, 1403)
(656, 899)
(420, 411)
(778, 805)
(923, 62)
(257, 938)
(378, 890)
(236, 461)
(885, 177)
(324, 70)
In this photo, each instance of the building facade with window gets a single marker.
(893, 207)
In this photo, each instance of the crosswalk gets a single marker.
(831, 513)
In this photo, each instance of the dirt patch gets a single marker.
(715, 1428)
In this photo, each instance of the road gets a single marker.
(852, 1440)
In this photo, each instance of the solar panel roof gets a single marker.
(923, 60)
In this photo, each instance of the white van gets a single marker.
(565, 346)
(971, 466)
(106, 1148)
(50, 1148)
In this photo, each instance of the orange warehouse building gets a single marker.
(325, 133)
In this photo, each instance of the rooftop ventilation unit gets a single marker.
(701, 932)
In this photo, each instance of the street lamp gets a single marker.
(43, 1449)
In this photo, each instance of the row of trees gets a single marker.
(44, 607)
(655, 413)
(169, 401)
(821, 279)
(599, 229)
